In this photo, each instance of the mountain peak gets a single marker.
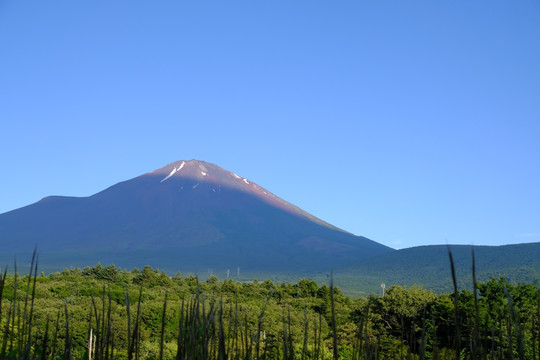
(203, 172)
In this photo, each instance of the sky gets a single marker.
(408, 122)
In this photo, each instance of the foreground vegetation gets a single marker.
(109, 313)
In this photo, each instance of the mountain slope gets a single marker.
(429, 266)
(188, 216)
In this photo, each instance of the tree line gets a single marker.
(104, 312)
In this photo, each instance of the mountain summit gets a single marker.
(219, 178)
(189, 216)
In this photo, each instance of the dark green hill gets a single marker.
(429, 266)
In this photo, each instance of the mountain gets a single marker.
(187, 216)
(429, 266)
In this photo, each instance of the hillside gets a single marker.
(429, 266)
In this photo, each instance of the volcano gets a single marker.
(190, 216)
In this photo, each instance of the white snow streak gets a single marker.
(168, 176)
(203, 173)
(247, 182)
(174, 170)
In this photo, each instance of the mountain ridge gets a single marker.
(516, 262)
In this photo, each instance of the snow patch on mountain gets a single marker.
(174, 171)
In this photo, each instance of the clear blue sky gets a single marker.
(409, 122)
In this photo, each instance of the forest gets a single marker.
(105, 312)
